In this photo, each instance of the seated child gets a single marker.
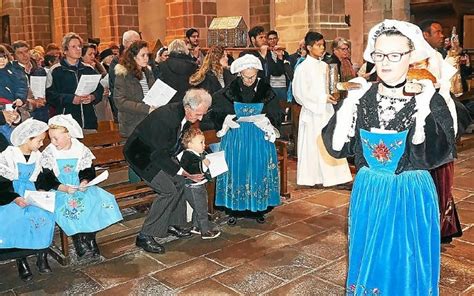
(24, 226)
(193, 161)
(67, 167)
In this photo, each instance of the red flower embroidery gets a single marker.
(381, 152)
(73, 203)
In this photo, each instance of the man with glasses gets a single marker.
(280, 70)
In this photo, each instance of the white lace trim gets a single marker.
(11, 157)
(78, 150)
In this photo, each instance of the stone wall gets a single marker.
(260, 13)
(184, 14)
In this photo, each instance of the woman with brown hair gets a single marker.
(134, 80)
(213, 75)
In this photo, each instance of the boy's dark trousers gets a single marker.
(196, 195)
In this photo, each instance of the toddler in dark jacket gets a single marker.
(193, 161)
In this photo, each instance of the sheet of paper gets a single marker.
(100, 178)
(41, 199)
(251, 118)
(218, 164)
(87, 84)
(159, 94)
(38, 86)
(105, 81)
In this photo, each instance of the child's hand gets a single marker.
(66, 188)
(18, 102)
(206, 162)
(21, 202)
(82, 187)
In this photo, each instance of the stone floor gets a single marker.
(301, 250)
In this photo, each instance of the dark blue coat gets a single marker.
(13, 85)
(61, 86)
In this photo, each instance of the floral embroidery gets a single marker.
(352, 290)
(381, 152)
(68, 168)
(38, 223)
(76, 207)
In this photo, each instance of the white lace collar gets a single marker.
(11, 157)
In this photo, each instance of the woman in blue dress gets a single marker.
(24, 226)
(396, 137)
(251, 185)
(80, 211)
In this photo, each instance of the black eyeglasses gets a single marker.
(392, 57)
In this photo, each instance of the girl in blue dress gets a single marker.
(24, 226)
(67, 167)
(251, 185)
(395, 137)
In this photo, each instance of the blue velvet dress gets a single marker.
(252, 182)
(394, 234)
(83, 212)
(394, 230)
(29, 227)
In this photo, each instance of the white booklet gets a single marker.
(41, 199)
(100, 178)
(251, 118)
(159, 94)
(38, 86)
(217, 165)
(87, 84)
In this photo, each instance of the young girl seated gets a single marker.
(193, 161)
(80, 211)
(23, 226)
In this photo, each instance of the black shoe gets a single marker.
(24, 269)
(446, 240)
(42, 263)
(346, 186)
(232, 221)
(260, 219)
(149, 244)
(89, 239)
(211, 234)
(79, 245)
(179, 232)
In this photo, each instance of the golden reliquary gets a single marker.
(229, 31)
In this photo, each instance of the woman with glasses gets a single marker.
(396, 137)
(63, 81)
(251, 185)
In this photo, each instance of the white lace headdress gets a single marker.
(30, 128)
(68, 122)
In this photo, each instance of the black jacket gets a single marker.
(223, 102)
(62, 84)
(151, 146)
(175, 72)
(192, 163)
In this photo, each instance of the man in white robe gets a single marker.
(315, 165)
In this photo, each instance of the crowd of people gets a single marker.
(402, 144)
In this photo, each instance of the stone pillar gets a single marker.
(113, 17)
(260, 14)
(69, 16)
(36, 22)
(185, 14)
(296, 17)
(291, 22)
